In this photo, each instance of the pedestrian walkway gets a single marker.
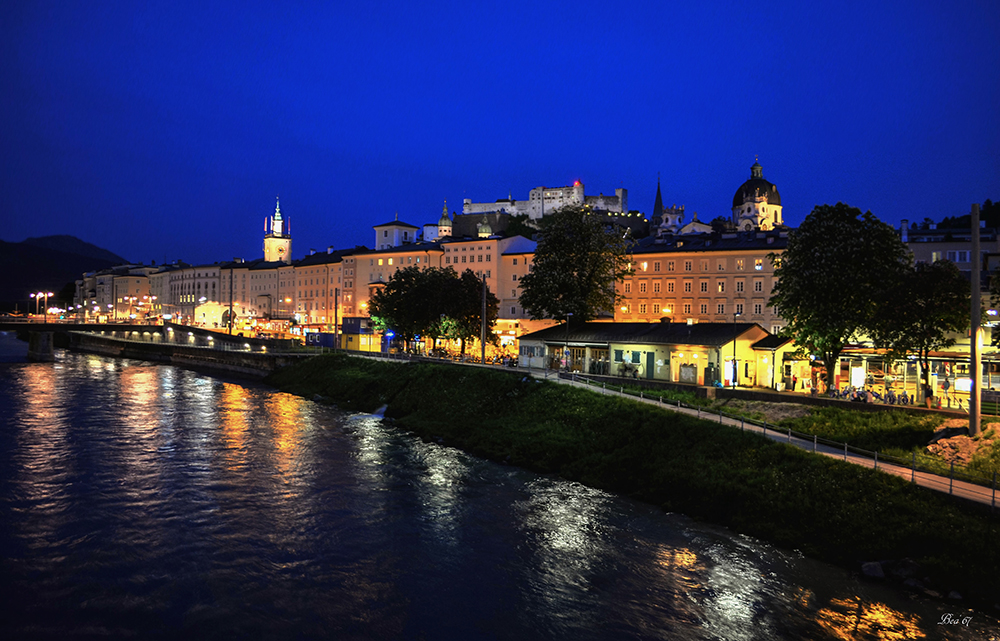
(970, 491)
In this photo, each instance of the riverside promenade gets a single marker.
(955, 487)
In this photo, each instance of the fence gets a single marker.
(933, 472)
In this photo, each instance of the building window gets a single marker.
(642, 308)
(704, 286)
(670, 287)
(515, 261)
(721, 308)
(687, 308)
(628, 287)
(656, 265)
(670, 265)
(758, 264)
(513, 293)
(775, 329)
(739, 286)
(642, 287)
(758, 286)
(628, 308)
(704, 265)
(513, 311)
(703, 308)
(756, 308)
(514, 277)
(656, 308)
(722, 287)
(687, 265)
(722, 265)
(739, 264)
(739, 308)
(687, 287)
(656, 287)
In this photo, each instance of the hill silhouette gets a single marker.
(48, 263)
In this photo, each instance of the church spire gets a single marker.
(658, 203)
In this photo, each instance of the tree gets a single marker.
(577, 262)
(831, 275)
(433, 302)
(520, 225)
(464, 310)
(922, 313)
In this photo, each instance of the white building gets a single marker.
(545, 200)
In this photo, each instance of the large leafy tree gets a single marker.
(463, 311)
(433, 302)
(922, 313)
(577, 262)
(831, 275)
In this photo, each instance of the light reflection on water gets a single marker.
(144, 500)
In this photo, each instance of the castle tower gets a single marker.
(277, 239)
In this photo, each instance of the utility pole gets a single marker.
(976, 334)
(482, 332)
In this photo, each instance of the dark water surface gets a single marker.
(146, 501)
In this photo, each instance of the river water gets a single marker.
(151, 502)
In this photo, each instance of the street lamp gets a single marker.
(735, 370)
(568, 316)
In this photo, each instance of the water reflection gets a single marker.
(148, 501)
(857, 620)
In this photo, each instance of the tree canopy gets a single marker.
(923, 312)
(831, 276)
(577, 262)
(433, 302)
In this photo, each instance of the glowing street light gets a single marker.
(38, 297)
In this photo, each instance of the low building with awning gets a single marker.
(696, 353)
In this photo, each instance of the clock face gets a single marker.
(281, 250)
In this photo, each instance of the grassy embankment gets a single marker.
(826, 508)
(894, 434)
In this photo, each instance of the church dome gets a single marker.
(756, 187)
(444, 221)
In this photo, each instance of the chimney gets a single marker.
(329, 249)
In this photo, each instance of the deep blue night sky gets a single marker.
(165, 130)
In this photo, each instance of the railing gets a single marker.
(925, 465)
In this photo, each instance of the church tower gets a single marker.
(757, 204)
(277, 239)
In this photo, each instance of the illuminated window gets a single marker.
(739, 264)
(722, 287)
(390, 261)
(670, 266)
(758, 264)
(644, 265)
(379, 261)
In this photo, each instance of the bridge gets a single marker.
(44, 337)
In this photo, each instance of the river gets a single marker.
(147, 501)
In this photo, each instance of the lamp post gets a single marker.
(735, 369)
(569, 315)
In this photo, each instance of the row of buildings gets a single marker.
(684, 271)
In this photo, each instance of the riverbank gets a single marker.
(825, 508)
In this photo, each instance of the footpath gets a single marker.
(954, 487)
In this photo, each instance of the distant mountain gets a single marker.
(73, 245)
(49, 264)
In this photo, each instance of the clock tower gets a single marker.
(277, 239)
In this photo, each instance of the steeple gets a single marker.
(658, 203)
